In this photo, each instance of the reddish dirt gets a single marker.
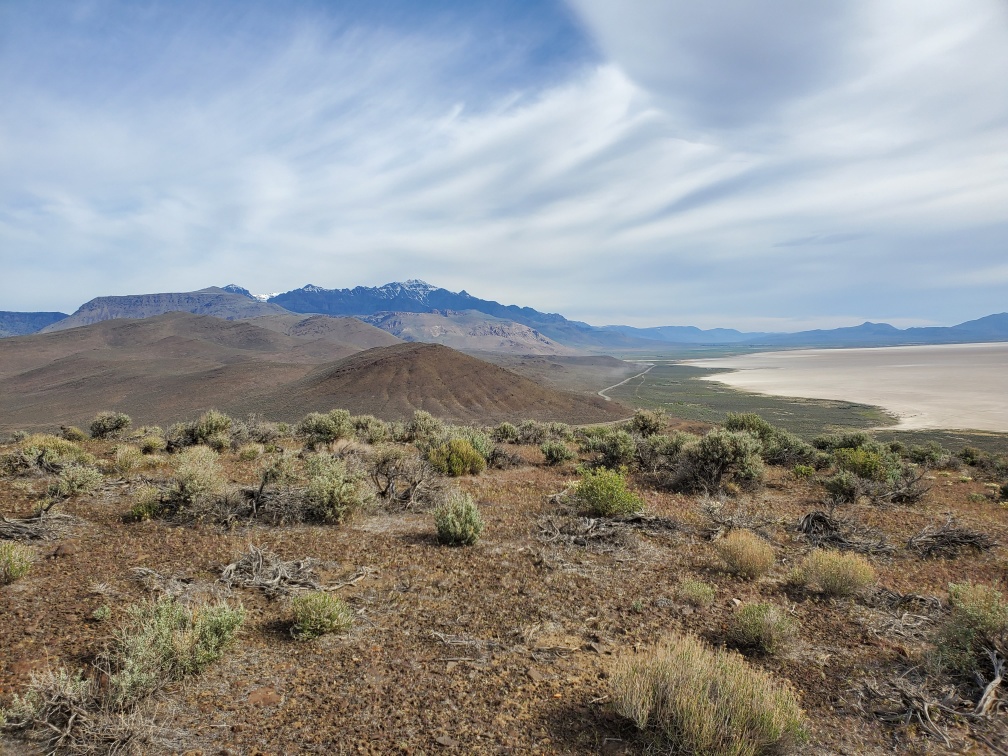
(503, 647)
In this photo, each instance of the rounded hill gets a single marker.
(391, 382)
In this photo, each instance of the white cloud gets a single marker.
(727, 165)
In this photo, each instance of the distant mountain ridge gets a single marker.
(24, 323)
(421, 297)
(210, 301)
(515, 328)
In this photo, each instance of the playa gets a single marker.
(953, 386)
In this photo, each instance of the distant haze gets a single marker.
(771, 166)
(956, 386)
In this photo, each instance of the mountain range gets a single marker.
(414, 310)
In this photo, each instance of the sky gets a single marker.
(778, 165)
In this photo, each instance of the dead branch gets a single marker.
(903, 703)
(823, 529)
(948, 541)
(989, 697)
(44, 526)
(154, 582)
(724, 521)
(266, 571)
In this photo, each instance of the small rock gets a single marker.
(444, 740)
(535, 675)
(65, 549)
(736, 602)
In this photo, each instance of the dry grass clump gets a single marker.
(761, 627)
(696, 592)
(836, 573)
(126, 459)
(604, 493)
(708, 702)
(319, 613)
(458, 520)
(745, 554)
(15, 561)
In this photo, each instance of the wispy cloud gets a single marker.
(671, 163)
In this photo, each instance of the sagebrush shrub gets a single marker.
(46, 452)
(164, 640)
(720, 455)
(843, 487)
(107, 424)
(745, 554)
(423, 426)
(456, 457)
(326, 428)
(370, 430)
(75, 479)
(400, 476)
(73, 433)
(604, 493)
(777, 446)
(850, 440)
(198, 474)
(152, 444)
(977, 621)
(319, 613)
(147, 504)
(647, 422)
(556, 452)
(15, 561)
(334, 493)
(836, 573)
(761, 627)
(506, 433)
(707, 701)
(458, 520)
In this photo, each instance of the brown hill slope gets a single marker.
(392, 382)
(161, 369)
(174, 366)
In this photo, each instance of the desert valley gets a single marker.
(229, 527)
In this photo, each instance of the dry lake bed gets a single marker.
(954, 386)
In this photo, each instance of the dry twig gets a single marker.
(823, 529)
(266, 571)
(949, 540)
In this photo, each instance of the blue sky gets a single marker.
(774, 166)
